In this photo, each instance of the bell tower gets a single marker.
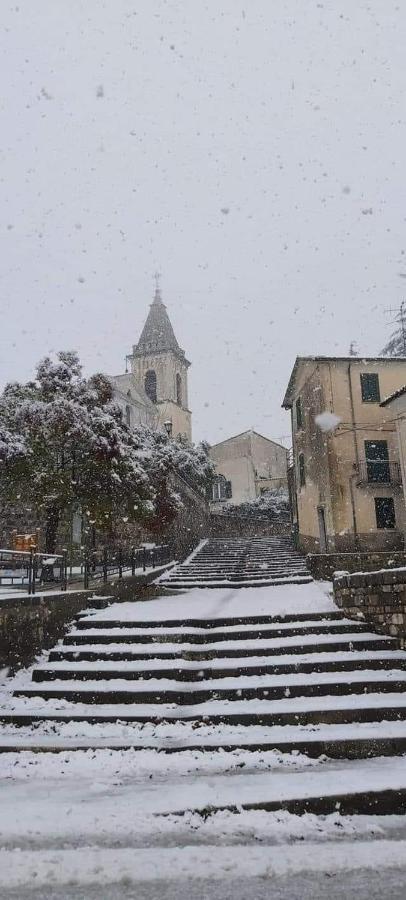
(160, 368)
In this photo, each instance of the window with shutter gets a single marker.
(385, 512)
(370, 392)
(377, 462)
(299, 414)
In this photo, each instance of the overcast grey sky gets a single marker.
(253, 152)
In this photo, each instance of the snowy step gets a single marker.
(184, 585)
(199, 636)
(300, 712)
(245, 687)
(232, 648)
(276, 665)
(357, 786)
(118, 690)
(208, 623)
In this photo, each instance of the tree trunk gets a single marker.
(53, 515)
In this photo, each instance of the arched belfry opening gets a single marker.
(150, 385)
(179, 389)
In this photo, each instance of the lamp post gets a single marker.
(168, 427)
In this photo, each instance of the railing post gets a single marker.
(120, 563)
(153, 557)
(105, 565)
(65, 570)
(144, 558)
(34, 573)
(132, 561)
(30, 571)
(86, 572)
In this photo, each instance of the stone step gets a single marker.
(92, 691)
(194, 672)
(211, 637)
(234, 575)
(359, 746)
(293, 721)
(371, 643)
(235, 584)
(226, 621)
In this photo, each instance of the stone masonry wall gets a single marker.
(379, 598)
(323, 565)
(31, 624)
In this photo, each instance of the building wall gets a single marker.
(251, 462)
(397, 412)
(333, 460)
(126, 395)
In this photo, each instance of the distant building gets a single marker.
(345, 478)
(155, 392)
(247, 465)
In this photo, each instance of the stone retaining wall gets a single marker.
(379, 598)
(323, 565)
(31, 624)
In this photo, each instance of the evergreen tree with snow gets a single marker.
(64, 446)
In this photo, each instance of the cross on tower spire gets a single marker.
(157, 277)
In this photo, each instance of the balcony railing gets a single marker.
(379, 471)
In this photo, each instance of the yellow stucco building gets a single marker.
(345, 477)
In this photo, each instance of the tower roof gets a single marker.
(157, 334)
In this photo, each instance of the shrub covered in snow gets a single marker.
(64, 445)
(272, 503)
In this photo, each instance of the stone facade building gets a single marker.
(247, 465)
(345, 479)
(155, 391)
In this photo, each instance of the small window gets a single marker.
(299, 414)
(370, 388)
(150, 385)
(302, 470)
(128, 415)
(385, 512)
(179, 389)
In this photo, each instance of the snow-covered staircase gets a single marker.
(256, 562)
(310, 682)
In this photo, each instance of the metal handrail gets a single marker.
(29, 569)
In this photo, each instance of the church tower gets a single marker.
(160, 367)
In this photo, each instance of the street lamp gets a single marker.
(168, 427)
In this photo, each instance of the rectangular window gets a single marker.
(385, 512)
(377, 462)
(370, 388)
(302, 470)
(299, 414)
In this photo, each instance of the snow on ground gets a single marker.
(225, 603)
(108, 796)
(127, 866)
(109, 815)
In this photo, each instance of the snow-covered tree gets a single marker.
(396, 345)
(64, 445)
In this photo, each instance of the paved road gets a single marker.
(390, 884)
